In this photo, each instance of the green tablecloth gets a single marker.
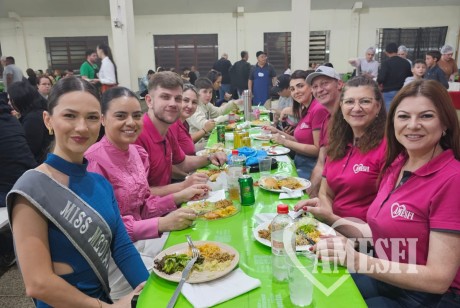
(255, 260)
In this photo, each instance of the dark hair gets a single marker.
(67, 85)
(150, 72)
(243, 54)
(435, 54)
(167, 80)
(340, 133)
(437, 94)
(108, 52)
(30, 72)
(89, 52)
(213, 75)
(328, 64)
(10, 60)
(25, 98)
(297, 110)
(114, 93)
(391, 48)
(203, 83)
(419, 61)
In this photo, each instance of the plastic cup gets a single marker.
(300, 287)
(265, 165)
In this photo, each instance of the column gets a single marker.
(122, 22)
(300, 34)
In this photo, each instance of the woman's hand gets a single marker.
(177, 220)
(279, 139)
(194, 192)
(195, 178)
(320, 211)
(270, 128)
(338, 250)
(125, 301)
(209, 125)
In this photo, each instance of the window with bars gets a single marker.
(69, 52)
(277, 45)
(417, 40)
(185, 50)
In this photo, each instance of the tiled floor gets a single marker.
(12, 293)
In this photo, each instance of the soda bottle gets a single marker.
(278, 226)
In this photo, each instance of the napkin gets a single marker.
(291, 195)
(213, 196)
(218, 291)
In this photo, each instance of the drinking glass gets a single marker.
(300, 286)
(265, 165)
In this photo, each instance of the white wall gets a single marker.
(343, 43)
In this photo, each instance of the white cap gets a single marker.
(323, 71)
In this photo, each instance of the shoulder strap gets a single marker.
(85, 228)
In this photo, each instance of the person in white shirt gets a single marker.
(402, 52)
(366, 66)
(108, 71)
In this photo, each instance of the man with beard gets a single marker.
(164, 101)
(89, 68)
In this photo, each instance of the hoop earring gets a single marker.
(50, 131)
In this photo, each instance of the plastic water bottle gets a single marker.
(235, 170)
(278, 225)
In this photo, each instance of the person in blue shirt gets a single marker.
(434, 72)
(56, 271)
(261, 79)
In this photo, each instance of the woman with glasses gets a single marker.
(356, 153)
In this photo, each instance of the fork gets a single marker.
(185, 273)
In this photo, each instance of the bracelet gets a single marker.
(204, 131)
(99, 302)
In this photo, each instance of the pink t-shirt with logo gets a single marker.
(427, 201)
(353, 179)
(315, 116)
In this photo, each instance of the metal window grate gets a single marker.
(69, 52)
(185, 50)
(417, 40)
(278, 48)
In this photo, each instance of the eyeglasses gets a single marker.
(363, 102)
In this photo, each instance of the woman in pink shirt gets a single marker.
(356, 153)
(414, 221)
(311, 114)
(125, 165)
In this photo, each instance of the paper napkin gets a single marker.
(211, 293)
(291, 195)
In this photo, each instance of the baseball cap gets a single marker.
(323, 71)
(282, 82)
(260, 53)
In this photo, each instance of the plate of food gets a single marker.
(217, 147)
(212, 173)
(260, 123)
(213, 210)
(216, 260)
(262, 137)
(230, 126)
(276, 182)
(276, 150)
(308, 232)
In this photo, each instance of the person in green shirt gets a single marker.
(89, 68)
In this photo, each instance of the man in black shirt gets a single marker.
(392, 73)
(223, 65)
(239, 73)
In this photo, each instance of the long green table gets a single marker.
(255, 259)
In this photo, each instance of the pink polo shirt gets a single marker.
(323, 139)
(127, 172)
(353, 179)
(315, 116)
(163, 153)
(181, 131)
(427, 201)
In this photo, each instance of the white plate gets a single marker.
(206, 152)
(262, 137)
(323, 228)
(277, 150)
(195, 276)
(259, 123)
(304, 182)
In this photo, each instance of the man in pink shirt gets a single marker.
(164, 101)
(326, 86)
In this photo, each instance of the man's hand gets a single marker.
(209, 125)
(195, 178)
(218, 158)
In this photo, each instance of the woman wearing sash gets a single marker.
(125, 165)
(65, 220)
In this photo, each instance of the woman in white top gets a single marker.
(108, 71)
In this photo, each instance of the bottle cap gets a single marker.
(234, 152)
(283, 209)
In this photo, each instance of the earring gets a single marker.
(50, 131)
(443, 133)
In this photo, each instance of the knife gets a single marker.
(184, 277)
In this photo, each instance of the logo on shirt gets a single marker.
(360, 168)
(399, 210)
(304, 125)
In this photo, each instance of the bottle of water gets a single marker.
(235, 170)
(278, 226)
